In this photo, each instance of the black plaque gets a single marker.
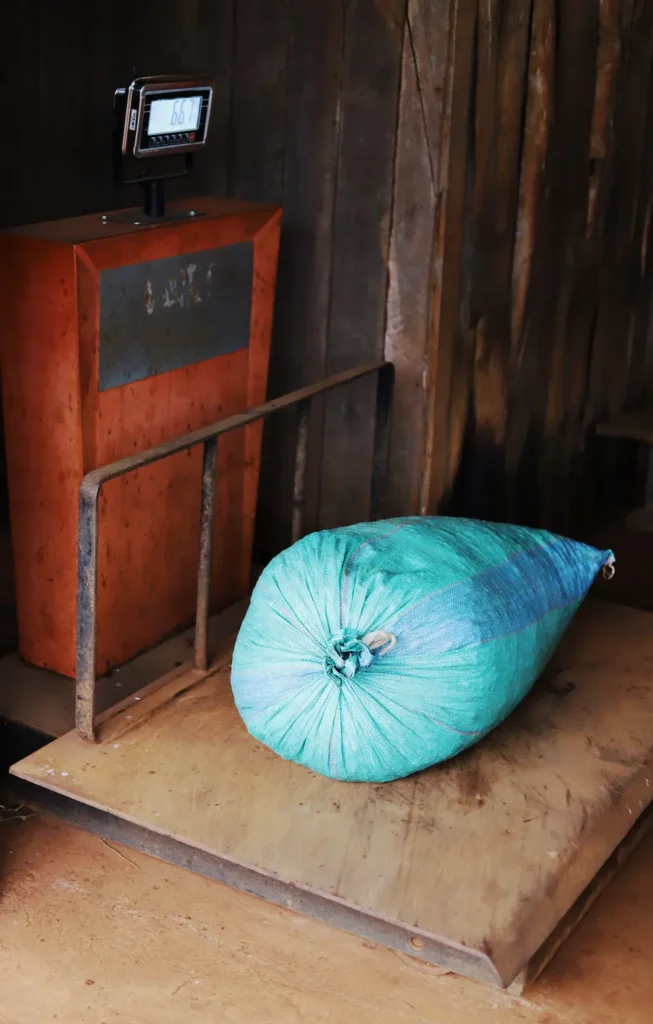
(173, 312)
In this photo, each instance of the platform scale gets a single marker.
(480, 866)
(121, 331)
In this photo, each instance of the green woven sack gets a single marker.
(371, 652)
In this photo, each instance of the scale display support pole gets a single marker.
(161, 121)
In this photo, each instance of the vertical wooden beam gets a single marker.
(503, 48)
(641, 281)
(641, 360)
(574, 467)
(608, 379)
(564, 281)
(537, 127)
(257, 172)
(259, 100)
(372, 62)
(607, 63)
(415, 215)
(439, 471)
(315, 69)
(207, 45)
(619, 342)
(555, 275)
(525, 355)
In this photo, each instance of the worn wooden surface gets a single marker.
(161, 943)
(448, 346)
(502, 65)
(416, 209)
(548, 796)
(518, 274)
(543, 328)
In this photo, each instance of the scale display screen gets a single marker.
(175, 115)
(163, 115)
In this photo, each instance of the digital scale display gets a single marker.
(175, 115)
(164, 115)
(160, 122)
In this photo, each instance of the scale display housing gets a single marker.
(164, 115)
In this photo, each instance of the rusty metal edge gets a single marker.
(427, 949)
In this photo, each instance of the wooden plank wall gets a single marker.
(467, 186)
(306, 116)
(542, 319)
(339, 71)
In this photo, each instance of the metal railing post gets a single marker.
(207, 520)
(91, 485)
(87, 571)
(384, 393)
(299, 476)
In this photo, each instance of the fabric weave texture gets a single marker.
(374, 651)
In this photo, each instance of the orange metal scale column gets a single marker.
(118, 337)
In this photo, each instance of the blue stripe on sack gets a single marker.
(501, 600)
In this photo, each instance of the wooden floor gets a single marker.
(470, 865)
(91, 933)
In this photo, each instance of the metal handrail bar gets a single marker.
(92, 483)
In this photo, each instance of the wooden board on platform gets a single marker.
(471, 865)
(160, 944)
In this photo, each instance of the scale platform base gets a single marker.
(482, 865)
